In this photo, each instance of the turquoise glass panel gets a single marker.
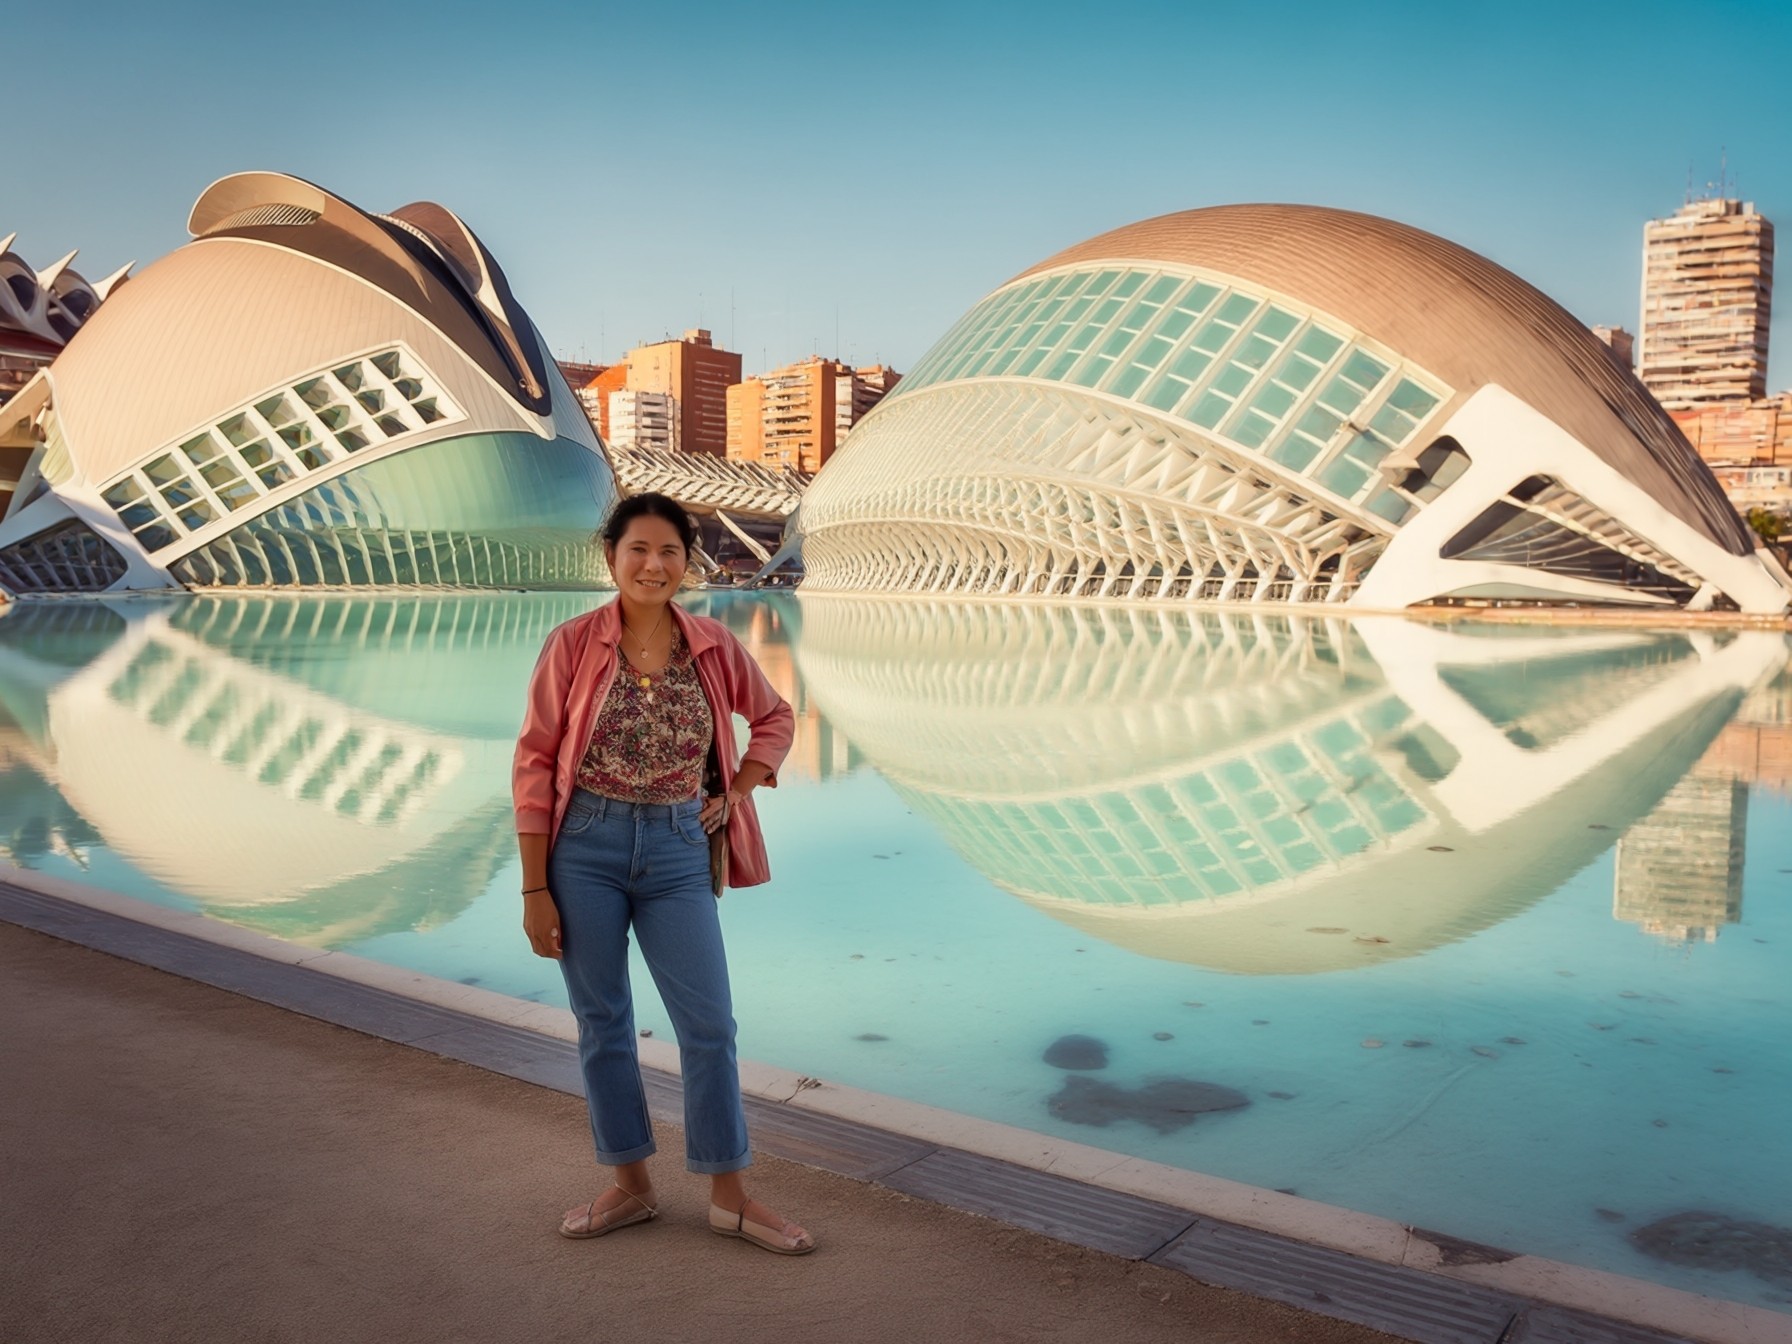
(1199, 299)
(1237, 309)
(1391, 425)
(1277, 324)
(1319, 343)
(1274, 401)
(1175, 324)
(1131, 378)
(1254, 352)
(1364, 370)
(1414, 400)
(1232, 380)
(1210, 410)
(482, 510)
(1387, 504)
(1190, 364)
(1214, 336)
(1165, 394)
(1161, 289)
(1129, 284)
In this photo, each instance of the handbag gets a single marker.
(718, 838)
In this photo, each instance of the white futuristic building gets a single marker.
(1267, 403)
(305, 394)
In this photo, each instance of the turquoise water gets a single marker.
(1489, 927)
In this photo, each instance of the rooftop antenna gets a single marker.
(1688, 198)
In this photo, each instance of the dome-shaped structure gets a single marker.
(1277, 403)
(306, 394)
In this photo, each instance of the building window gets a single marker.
(319, 419)
(1249, 371)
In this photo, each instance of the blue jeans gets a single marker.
(618, 864)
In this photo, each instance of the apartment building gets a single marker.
(798, 422)
(1619, 341)
(856, 391)
(696, 374)
(642, 420)
(1707, 300)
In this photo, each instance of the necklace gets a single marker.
(642, 680)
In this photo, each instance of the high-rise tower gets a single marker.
(1707, 297)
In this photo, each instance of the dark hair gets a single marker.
(649, 505)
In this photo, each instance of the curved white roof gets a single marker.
(184, 342)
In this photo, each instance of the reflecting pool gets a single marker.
(1485, 928)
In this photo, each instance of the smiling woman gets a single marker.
(625, 772)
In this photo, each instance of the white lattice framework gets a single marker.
(705, 483)
(1028, 489)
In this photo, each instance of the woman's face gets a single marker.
(649, 562)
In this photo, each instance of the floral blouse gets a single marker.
(651, 741)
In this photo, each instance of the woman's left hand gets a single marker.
(716, 809)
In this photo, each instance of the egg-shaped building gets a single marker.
(1271, 403)
(306, 394)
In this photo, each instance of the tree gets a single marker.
(1768, 525)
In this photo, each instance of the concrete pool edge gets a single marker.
(910, 1130)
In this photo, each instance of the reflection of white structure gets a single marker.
(279, 802)
(1215, 788)
(1277, 404)
(305, 394)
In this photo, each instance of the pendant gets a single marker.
(645, 683)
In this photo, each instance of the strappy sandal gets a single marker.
(596, 1224)
(777, 1240)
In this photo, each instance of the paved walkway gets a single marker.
(182, 1164)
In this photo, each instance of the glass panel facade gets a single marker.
(481, 511)
(1257, 373)
(320, 419)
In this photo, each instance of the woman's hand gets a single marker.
(541, 921)
(717, 808)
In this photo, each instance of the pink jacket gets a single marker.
(573, 675)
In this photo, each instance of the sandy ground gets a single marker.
(181, 1164)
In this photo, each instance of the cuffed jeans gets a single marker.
(618, 864)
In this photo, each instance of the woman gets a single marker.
(628, 707)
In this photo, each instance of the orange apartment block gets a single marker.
(746, 421)
(798, 421)
(698, 374)
(798, 415)
(594, 396)
(1741, 433)
(857, 391)
(577, 373)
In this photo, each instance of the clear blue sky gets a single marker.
(783, 172)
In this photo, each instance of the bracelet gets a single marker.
(532, 890)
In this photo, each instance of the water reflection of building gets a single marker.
(325, 769)
(766, 625)
(1265, 794)
(1679, 869)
